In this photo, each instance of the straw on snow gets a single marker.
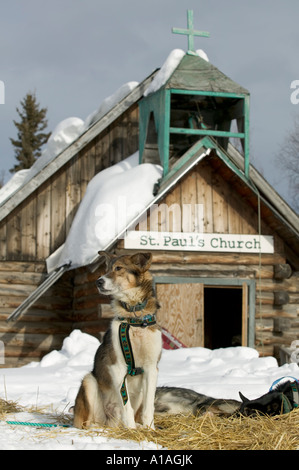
(178, 432)
(210, 432)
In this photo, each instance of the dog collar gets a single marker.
(133, 308)
(143, 322)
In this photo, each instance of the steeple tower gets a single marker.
(196, 100)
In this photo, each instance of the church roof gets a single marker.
(195, 73)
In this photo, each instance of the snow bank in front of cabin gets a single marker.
(52, 385)
(113, 198)
(64, 134)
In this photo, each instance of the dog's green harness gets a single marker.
(125, 343)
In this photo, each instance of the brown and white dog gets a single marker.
(120, 390)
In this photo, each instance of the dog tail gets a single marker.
(88, 406)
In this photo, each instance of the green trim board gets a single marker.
(221, 282)
(200, 150)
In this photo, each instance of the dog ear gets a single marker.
(142, 260)
(244, 399)
(107, 256)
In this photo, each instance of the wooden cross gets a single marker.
(190, 31)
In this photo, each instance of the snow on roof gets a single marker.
(113, 198)
(64, 134)
(169, 67)
(109, 103)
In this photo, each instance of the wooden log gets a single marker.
(49, 328)
(212, 270)
(290, 285)
(282, 271)
(269, 311)
(281, 325)
(33, 315)
(34, 341)
(14, 277)
(164, 257)
(281, 298)
(23, 266)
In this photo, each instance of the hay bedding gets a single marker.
(210, 432)
(177, 432)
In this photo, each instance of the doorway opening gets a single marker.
(223, 317)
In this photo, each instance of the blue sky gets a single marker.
(75, 53)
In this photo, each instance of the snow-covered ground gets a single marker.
(52, 385)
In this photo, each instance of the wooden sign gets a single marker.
(212, 242)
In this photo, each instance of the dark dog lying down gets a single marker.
(283, 398)
(175, 400)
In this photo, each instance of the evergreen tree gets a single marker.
(30, 133)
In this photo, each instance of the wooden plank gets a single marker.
(73, 191)
(175, 217)
(50, 328)
(38, 341)
(204, 196)
(215, 258)
(28, 225)
(181, 311)
(211, 270)
(16, 290)
(58, 199)
(188, 203)
(132, 140)
(43, 222)
(3, 239)
(14, 231)
(88, 171)
(220, 206)
(15, 277)
(102, 151)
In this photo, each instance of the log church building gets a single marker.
(225, 245)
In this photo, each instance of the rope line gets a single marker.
(42, 425)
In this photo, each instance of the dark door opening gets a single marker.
(222, 317)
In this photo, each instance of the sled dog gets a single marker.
(176, 400)
(120, 389)
(279, 400)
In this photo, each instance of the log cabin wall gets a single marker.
(34, 230)
(275, 281)
(46, 323)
